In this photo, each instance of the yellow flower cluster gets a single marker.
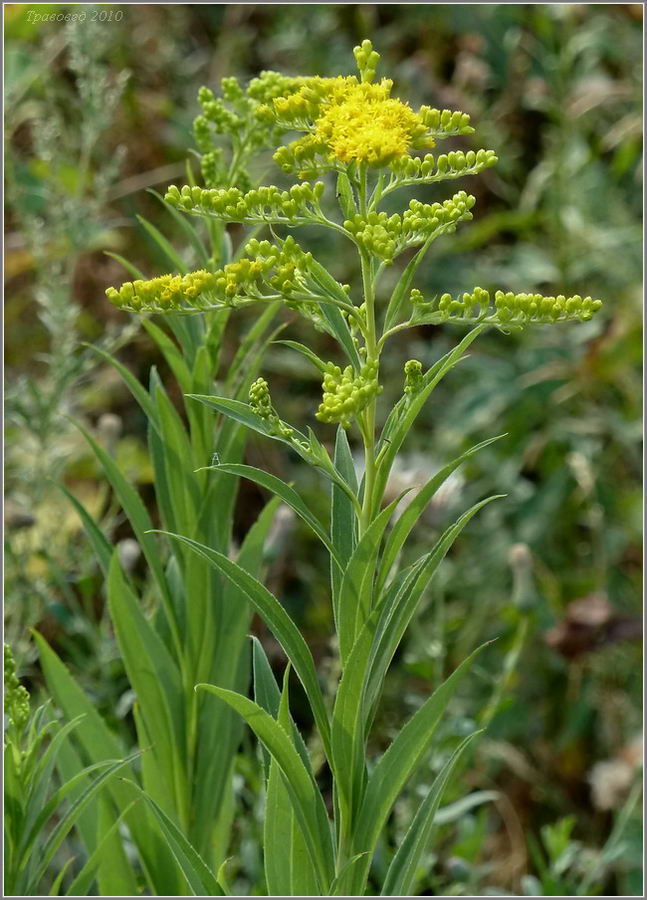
(353, 121)
(165, 293)
(362, 123)
(348, 120)
(273, 271)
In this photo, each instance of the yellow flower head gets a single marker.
(362, 122)
(348, 120)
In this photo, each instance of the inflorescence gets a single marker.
(352, 125)
(345, 393)
(507, 308)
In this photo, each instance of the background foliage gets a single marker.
(100, 110)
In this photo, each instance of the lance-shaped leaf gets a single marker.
(401, 876)
(288, 866)
(343, 518)
(306, 800)
(401, 418)
(356, 588)
(199, 876)
(394, 769)
(286, 493)
(67, 821)
(402, 287)
(399, 612)
(279, 622)
(154, 677)
(99, 743)
(416, 507)
(82, 883)
(140, 521)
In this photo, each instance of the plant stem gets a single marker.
(372, 353)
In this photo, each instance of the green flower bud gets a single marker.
(412, 377)
(16, 696)
(202, 134)
(346, 394)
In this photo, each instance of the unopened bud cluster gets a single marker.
(16, 696)
(235, 115)
(412, 377)
(448, 165)
(386, 236)
(264, 204)
(307, 157)
(507, 307)
(367, 59)
(345, 394)
(445, 123)
(261, 403)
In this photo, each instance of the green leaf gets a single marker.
(279, 622)
(402, 288)
(58, 881)
(336, 322)
(164, 245)
(138, 391)
(394, 769)
(67, 821)
(139, 519)
(286, 493)
(343, 520)
(400, 420)
(116, 875)
(456, 810)
(200, 878)
(171, 354)
(348, 727)
(357, 583)
(186, 226)
(83, 881)
(397, 614)
(243, 413)
(401, 876)
(344, 873)
(134, 271)
(156, 681)
(42, 769)
(414, 510)
(345, 196)
(266, 691)
(100, 544)
(178, 465)
(310, 355)
(288, 867)
(306, 800)
(99, 744)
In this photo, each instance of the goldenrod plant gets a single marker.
(373, 145)
(198, 630)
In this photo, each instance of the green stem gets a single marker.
(372, 353)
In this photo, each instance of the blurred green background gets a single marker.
(101, 109)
